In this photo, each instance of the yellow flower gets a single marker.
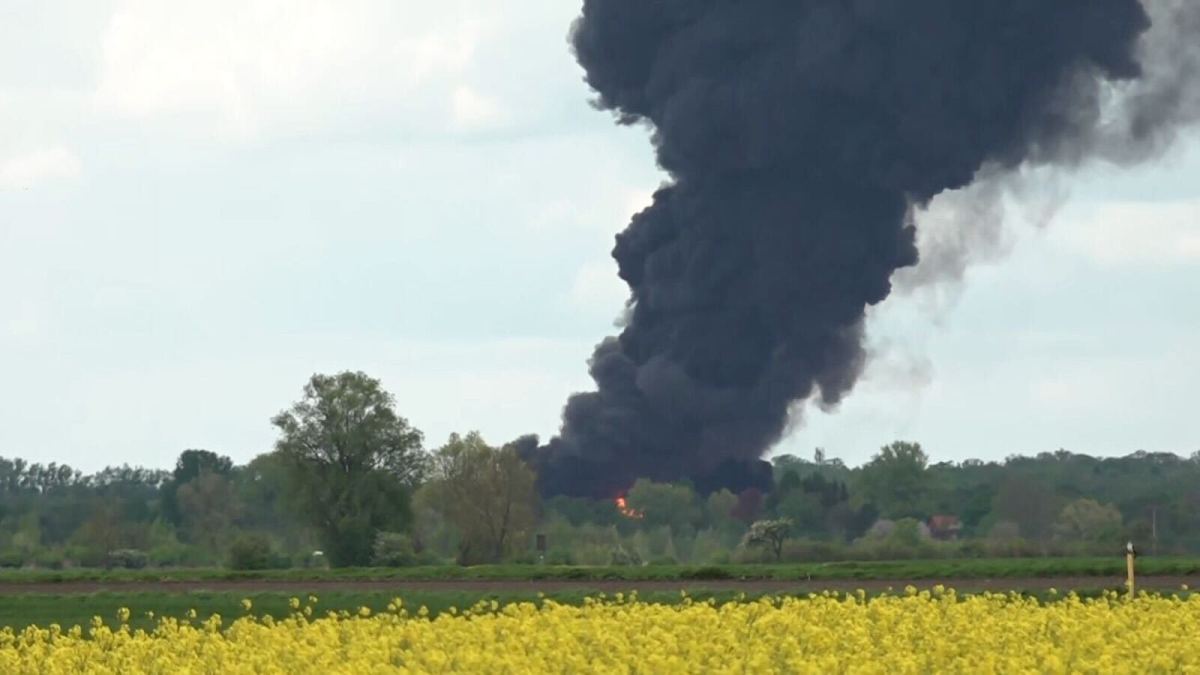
(823, 632)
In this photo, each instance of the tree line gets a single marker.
(350, 483)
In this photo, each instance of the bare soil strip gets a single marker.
(1064, 584)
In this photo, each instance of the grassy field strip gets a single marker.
(22, 610)
(911, 569)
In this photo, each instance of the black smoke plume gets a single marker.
(799, 136)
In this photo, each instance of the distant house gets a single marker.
(944, 528)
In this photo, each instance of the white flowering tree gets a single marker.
(769, 533)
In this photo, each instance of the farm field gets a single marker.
(943, 569)
(913, 631)
(18, 611)
(1044, 615)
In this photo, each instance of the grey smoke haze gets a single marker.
(801, 138)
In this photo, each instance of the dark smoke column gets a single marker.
(799, 136)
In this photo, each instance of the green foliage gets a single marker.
(622, 556)
(487, 494)
(718, 509)
(1086, 520)
(49, 559)
(190, 465)
(1030, 504)
(128, 558)
(208, 507)
(54, 516)
(896, 481)
(351, 461)
(581, 510)
(672, 505)
(254, 552)
(174, 555)
(395, 549)
(769, 534)
(908, 532)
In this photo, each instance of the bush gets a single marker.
(173, 555)
(393, 549)
(11, 559)
(706, 572)
(973, 548)
(84, 556)
(807, 550)
(559, 557)
(624, 556)
(253, 552)
(664, 560)
(128, 558)
(48, 560)
(753, 555)
(720, 558)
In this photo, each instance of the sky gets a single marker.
(203, 204)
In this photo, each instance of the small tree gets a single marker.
(769, 533)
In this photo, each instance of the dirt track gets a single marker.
(485, 587)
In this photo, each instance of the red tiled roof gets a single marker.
(944, 523)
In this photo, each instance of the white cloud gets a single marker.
(25, 171)
(1117, 234)
(22, 327)
(597, 287)
(636, 201)
(473, 111)
(1074, 392)
(247, 67)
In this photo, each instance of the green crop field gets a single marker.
(43, 609)
(906, 569)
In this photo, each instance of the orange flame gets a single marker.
(623, 508)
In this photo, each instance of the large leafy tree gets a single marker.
(1089, 521)
(351, 460)
(487, 494)
(896, 480)
(209, 506)
(191, 465)
(671, 504)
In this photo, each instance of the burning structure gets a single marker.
(800, 136)
(624, 509)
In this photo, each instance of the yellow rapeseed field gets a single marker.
(929, 631)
